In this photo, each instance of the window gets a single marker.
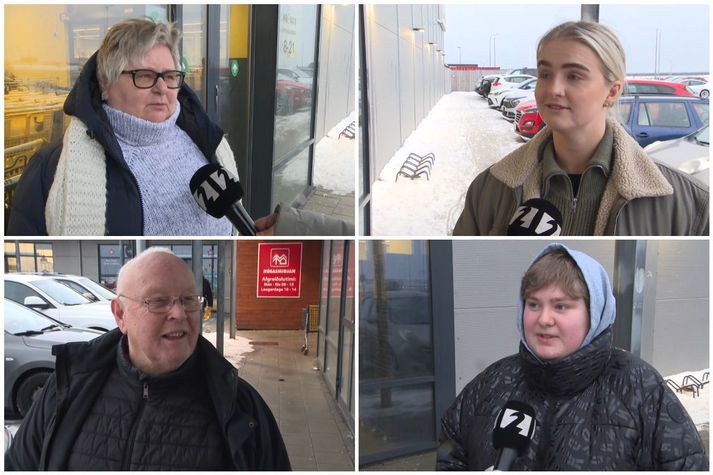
(701, 109)
(111, 259)
(17, 292)
(28, 257)
(45, 49)
(664, 114)
(623, 112)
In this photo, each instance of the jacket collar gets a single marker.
(572, 374)
(633, 173)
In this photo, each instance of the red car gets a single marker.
(654, 86)
(528, 120)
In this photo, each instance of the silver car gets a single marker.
(29, 338)
(688, 154)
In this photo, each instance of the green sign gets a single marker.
(184, 64)
(234, 68)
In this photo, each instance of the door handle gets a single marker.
(217, 91)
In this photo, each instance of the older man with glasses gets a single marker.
(151, 394)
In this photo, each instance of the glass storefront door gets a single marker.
(294, 119)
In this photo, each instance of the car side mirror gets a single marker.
(35, 302)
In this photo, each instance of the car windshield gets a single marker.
(97, 289)
(20, 319)
(59, 292)
(702, 136)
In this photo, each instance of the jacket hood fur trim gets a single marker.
(76, 203)
(634, 174)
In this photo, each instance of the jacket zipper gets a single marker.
(126, 460)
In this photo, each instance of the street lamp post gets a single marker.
(492, 58)
(460, 60)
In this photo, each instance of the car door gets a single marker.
(661, 120)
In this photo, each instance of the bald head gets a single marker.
(150, 258)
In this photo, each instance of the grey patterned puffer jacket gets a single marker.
(599, 408)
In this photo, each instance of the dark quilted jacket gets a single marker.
(49, 432)
(597, 409)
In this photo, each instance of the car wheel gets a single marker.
(28, 391)
(705, 94)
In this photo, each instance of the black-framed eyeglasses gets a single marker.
(190, 303)
(147, 78)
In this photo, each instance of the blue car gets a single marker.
(657, 118)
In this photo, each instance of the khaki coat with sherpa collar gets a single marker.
(641, 198)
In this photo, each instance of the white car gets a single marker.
(699, 86)
(56, 300)
(495, 97)
(509, 81)
(688, 154)
(511, 101)
(525, 89)
(87, 287)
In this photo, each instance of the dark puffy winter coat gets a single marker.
(124, 214)
(599, 408)
(50, 429)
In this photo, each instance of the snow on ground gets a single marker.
(233, 350)
(466, 137)
(334, 160)
(697, 407)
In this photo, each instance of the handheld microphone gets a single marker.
(218, 193)
(513, 431)
(536, 217)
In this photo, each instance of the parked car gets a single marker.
(29, 337)
(525, 88)
(654, 86)
(290, 96)
(530, 71)
(690, 154)
(658, 118)
(508, 82)
(406, 348)
(509, 104)
(483, 87)
(528, 120)
(699, 87)
(298, 75)
(87, 287)
(56, 300)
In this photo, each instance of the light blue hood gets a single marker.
(602, 304)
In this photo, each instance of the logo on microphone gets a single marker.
(537, 221)
(516, 421)
(210, 189)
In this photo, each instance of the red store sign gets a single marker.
(279, 270)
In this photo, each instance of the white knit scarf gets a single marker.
(76, 203)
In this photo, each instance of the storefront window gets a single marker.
(296, 40)
(346, 392)
(46, 47)
(28, 257)
(396, 369)
(290, 179)
(110, 261)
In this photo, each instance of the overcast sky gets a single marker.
(516, 29)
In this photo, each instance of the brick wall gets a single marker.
(275, 313)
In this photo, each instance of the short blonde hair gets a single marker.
(131, 39)
(599, 39)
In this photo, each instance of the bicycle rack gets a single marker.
(348, 131)
(692, 388)
(417, 165)
(695, 380)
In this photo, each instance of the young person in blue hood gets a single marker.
(596, 407)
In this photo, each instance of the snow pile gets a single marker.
(466, 137)
(697, 407)
(334, 160)
(233, 350)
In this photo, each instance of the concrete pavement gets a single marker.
(324, 201)
(316, 436)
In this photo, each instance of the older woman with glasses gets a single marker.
(136, 136)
